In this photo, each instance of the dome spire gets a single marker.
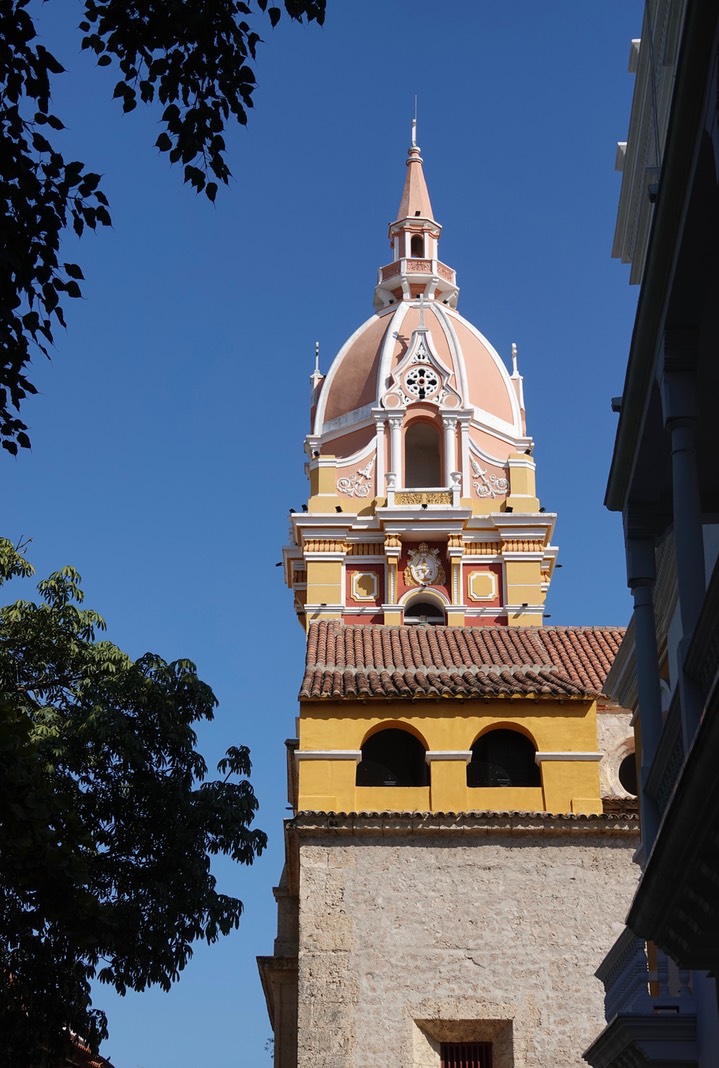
(414, 235)
(415, 203)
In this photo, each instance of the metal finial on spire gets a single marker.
(414, 124)
(317, 357)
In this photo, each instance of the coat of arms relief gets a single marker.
(424, 568)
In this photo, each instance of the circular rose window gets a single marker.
(421, 382)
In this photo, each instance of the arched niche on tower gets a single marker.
(422, 454)
(393, 754)
(503, 756)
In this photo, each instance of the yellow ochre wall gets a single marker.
(568, 786)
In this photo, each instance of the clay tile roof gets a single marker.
(374, 661)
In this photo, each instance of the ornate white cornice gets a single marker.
(539, 757)
(448, 754)
(329, 754)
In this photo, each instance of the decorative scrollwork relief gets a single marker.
(359, 484)
(488, 485)
(423, 498)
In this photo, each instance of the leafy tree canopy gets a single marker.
(107, 824)
(192, 59)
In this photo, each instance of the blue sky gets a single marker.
(167, 438)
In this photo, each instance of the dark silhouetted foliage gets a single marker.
(193, 60)
(107, 825)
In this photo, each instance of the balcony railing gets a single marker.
(633, 985)
(702, 662)
(411, 497)
(410, 266)
(649, 1009)
(668, 759)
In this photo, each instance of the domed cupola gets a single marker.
(418, 434)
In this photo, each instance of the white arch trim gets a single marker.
(425, 593)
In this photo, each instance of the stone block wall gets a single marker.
(409, 940)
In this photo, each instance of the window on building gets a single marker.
(417, 247)
(393, 757)
(422, 467)
(466, 1054)
(423, 614)
(628, 773)
(503, 758)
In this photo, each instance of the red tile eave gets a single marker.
(373, 661)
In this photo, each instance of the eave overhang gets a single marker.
(635, 1039)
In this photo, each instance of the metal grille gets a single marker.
(466, 1055)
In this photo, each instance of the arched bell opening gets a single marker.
(392, 757)
(422, 612)
(416, 249)
(422, 456)
(503, 758)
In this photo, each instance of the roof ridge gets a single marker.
(473, 669)
(488, 627)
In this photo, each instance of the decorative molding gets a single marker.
(539, 757)
(448, 754)
(423, 497)
(357, 593)
(472, 581)
(359, 484)
(483, 548)
(324, 545)
(487, 485)
(329, 754)
(523, 545)
(365, 548)
(421, 375)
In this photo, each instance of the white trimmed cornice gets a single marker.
(441, 519)
(329, 754)
(307, 523)
(350, 420)
(448, 754)
(475, 449)
(539, 757)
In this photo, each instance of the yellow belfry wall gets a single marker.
(564, 733)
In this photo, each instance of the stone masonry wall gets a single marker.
(409, 941)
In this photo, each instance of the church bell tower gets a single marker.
(422, 482)
(460, 839)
